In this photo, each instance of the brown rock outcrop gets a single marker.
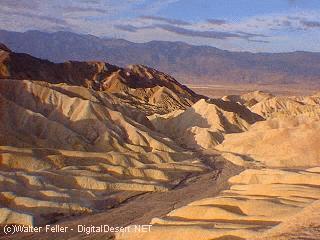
(135, 83)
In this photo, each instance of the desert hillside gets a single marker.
(93, 143)
(280, 183)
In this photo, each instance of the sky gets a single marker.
(236, 25)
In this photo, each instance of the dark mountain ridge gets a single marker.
(187, 63)
(135, 82)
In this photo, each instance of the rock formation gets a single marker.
(205, 123)
(81, 138)
(257, 201)
(137, 83)
(280, 185)
(67, 148)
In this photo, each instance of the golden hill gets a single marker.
(64, 151)
(205, 123)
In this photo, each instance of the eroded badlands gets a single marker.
(78, 140)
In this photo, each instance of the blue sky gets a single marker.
(238, 25)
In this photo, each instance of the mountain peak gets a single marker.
(4, 47)
(187, 63)
(141, 83)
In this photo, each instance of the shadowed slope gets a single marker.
(135, 82)
(288, 138)
(205, 123)
(75, 151)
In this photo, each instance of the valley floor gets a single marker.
(220, 90)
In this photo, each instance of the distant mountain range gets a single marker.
(187, 63)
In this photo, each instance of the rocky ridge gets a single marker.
(136, 84)
(83, 138)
